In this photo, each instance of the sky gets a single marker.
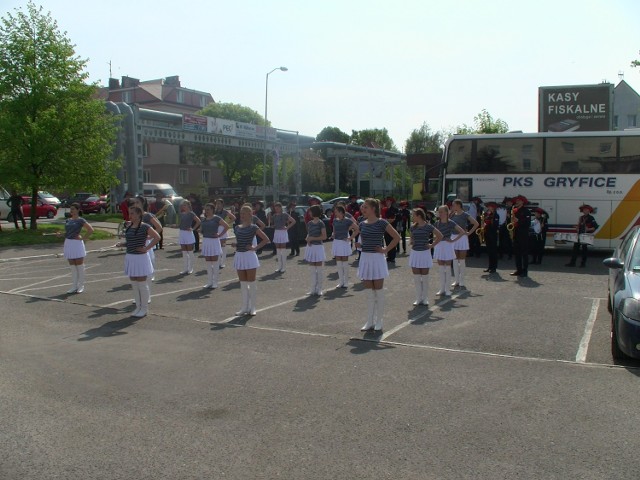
(356, 64)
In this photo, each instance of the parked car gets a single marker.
(94, 204)
(327, 207)
(42, 209)
(46, 197)
(623, 300)
(151, 189)
(76, 198)
(4, 208)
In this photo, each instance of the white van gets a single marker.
(4, 208)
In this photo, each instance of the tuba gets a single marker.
(480, 229)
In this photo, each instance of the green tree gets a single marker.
(238, 168)
(424, 140)
(484, 123)
(53, 133)
(635, 63)
(332, 134)
(374, 138)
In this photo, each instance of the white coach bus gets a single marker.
(557, 171)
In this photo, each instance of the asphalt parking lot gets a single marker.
(507, 379)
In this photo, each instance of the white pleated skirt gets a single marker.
(211, 247)
(341, 248)
(372, 266)
(222, 236)
(444, 251)
(137, 265)
(420, 259)
(462, 243)
(280, 236)
(73, 249)
(245, 260)
(314, 253)
(151, 253)
(186, 237)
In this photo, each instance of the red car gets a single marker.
(42, 209)
(95, 204)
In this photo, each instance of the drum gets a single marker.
(562, 237)
(586, 238)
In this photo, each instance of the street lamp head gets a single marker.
(284, 69)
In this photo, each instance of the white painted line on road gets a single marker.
(24, 288)
(427, 310)
(581, 356)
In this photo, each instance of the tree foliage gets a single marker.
(484, 123)
(53, 134)
(333, 134)
(238, 168)
(374, 138)
(424, 140)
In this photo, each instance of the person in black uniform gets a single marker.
(505, 245)
(491, 226)
(586, 224)
(521, 218)
(404, 219)
(294, 240)
(538, 235)
(390, 214)
(15, 203)
(196, 205)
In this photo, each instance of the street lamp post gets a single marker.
(264, 149)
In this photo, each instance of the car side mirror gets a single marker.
(613, 262)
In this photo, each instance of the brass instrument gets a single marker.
(163, 211)
(480, 229)
(511, 226)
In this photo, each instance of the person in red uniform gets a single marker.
(586, 224)
(521, 216)
(491, 230)
(124, 206)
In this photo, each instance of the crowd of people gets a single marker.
(376, 230)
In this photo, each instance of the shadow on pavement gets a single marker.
(194, 295)
(109, 329)
(368, 344)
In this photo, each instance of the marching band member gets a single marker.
(137, 264)
(535, 234)
(281, 223)
(213, 226)
(505, 245)
(73, 249)
(294, 241)
(341, 248)
(229, 218)
(404, 224)
(245, 260)
(188, 221)
(390, 214)
(444, 251)
(372, 267)
(521, 219)
(420, 257)
(491, 231)
(461, 246)
(586, 224)
(160, 208)
(314, 253)
(541, 239)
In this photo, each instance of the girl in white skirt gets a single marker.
(151, 220)
(245, 260)
(188, 221)
(212, 227)
(229, 218)
(281, 223)
(74, 250)
(444, 252)
(341, 248)
(420, 259)
(461, 246)
(137, 264)
(372, 267)
(314, 253)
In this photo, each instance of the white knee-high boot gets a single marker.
(149, 282)
(417, 281)
(379, 294)
(425, 289)
(190, 261)
(209, 275)
(253, 293)
(136, 297)
(319, 279)
(371, 310)
(442, 271)
(215, 271)
(447, 279)
(456, 272)
(144, 299)
(283, 259)
(244, 289)
(74, 279)
(80, 277)
(185, 262)
(340, 274)
(461, 270)
(314, 281)
(223, 257)
(345, 274)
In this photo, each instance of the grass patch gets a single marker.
(18, 238)
(103, 217)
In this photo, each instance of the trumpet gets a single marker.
(480, 229)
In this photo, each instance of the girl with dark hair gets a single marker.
(314, 253)
(372, 267)
(74, 250)
(245, 260)
(444, 251)
(151, 220)
(281, 223)
(229, 218)
(137, 264)
(341, 248)
(188, 221)
(212, 228)
(420, 257)
(461, 245)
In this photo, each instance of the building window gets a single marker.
(206, 177)
(126, 96)
(180, 96)
(615, 121)
(183, 176)
(145, 150)
(146, 175)
(631, 120)
(203, 101)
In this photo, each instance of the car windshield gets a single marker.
(168, 192)
(92, 199)
(46, 195)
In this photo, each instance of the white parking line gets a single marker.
(581, 356)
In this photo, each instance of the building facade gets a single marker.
(626, 107)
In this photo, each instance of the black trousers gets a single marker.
(505, 243)
(576, 250)
(491, 242)
(391, 254)
(17, 215)
(521, 252)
